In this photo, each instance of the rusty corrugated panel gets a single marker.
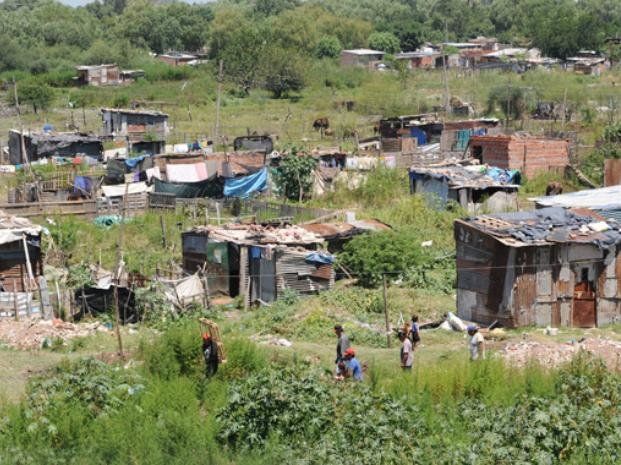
(612, 172)
(618, 274)
(524, 298)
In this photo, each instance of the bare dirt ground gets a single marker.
(555, 353)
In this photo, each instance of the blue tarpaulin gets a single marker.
(131, 163)
(319, 258)
(82, 185)
(504, 176)
(419, 135)
(243, 187)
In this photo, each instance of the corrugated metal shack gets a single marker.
(544, 267)
(48, 144)
(472, 187)
(256, 262)
(18, 236)
(98, 75)
(135, 126)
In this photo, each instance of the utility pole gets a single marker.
(447, 98)
(386, 312)
(218, 99)
(25, 158)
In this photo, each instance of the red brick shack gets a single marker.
(528, 154)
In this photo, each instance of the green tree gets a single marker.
(513, 101)
(283, 72)
(392, 253)
(293, 177)
(384, 41)
(35, 93)
(328, 47)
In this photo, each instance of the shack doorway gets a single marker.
(584, 311)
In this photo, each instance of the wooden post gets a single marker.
(15, 301)
(218, 99)
(59, 303)
(206, 289)
(44, 298)
(386, 314)
(163, 226)
(119, 270)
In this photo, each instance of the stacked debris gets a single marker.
(34, 333)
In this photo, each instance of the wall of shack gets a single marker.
(523, 286)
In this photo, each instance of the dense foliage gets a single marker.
(47, 38)
(294, 176)
(354, 424)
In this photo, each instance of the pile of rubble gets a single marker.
(35, 333)
(553, 354)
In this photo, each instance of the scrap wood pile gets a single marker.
(34, 333)
(552, 354)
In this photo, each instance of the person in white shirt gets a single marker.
(407, 355)
(476, 343)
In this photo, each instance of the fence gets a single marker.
(218, 211)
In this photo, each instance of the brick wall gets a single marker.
(529, 155)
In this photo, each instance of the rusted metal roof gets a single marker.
(549, 226)
(459, 176)
(345, 230)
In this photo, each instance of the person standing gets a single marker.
(476, 343)
(210, 354)
(407, 355)
(342, 345)
(414, 331)
(352, 365)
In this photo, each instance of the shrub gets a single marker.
(328, 47)
(391, 253)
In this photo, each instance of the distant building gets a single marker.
(40, 145)
(144, 131)
(361, 57)
(177, 58)
(420, 59)
(105, 75)
(528, 154)
(98, 75)
(588, 62)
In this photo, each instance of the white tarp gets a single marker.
(13, 228)
(132, 188)
(184, 291)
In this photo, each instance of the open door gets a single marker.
(584, 311)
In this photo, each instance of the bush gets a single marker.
(384, 42)
(177, 352)
(328, 47)
(371, 257)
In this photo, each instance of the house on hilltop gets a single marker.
(362, 57)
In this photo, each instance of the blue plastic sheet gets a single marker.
(505, 176)
(82, 185)
(243, 187)
(319, 258)
(131, 163)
